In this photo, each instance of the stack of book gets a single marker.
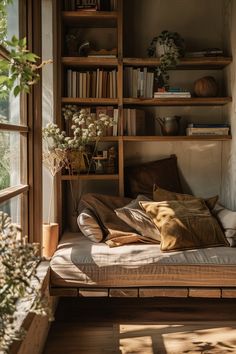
(173, 92)
(209, 52)
(138, 82)
(94, 84)
(134, 122)
(207, 129)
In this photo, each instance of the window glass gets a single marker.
(13, 208)
(10, 106)
(9, 159)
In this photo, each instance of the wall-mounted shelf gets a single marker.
(178, 138)
(89, 177)
(193, 101)
(88, 61)
(90, 101)
(90, 18)
(184, 63)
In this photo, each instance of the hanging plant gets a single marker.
(169, 47)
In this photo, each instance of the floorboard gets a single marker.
(143, 326)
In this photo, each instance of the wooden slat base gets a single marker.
(183, 292)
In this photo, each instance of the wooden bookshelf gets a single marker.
(193, 101)
(184, 63)
(114, 21)
(83, 18)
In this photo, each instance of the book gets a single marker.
(172, 95)
(210, 125)
(205, 53)
(207, 131)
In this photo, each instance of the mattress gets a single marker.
(80, 263)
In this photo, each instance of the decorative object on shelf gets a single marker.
(18, 280)
(84, 49)
(169, 125)
(206, 87)
(169, 47)
(72, 44)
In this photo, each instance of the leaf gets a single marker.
(16, 90)
(3, 79)
(31, 57)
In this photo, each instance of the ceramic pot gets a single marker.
(169, 125)
(50, 238)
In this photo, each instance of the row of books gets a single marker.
(134, 122)
(138, 82)
(95, 84)
(90, 5)
(207, 129)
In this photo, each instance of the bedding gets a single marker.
(139, 179)
(160, 194)
(185, 224)
(115, 231)
(80, 263)
(89, 225)
(133, 215)
(227, 219)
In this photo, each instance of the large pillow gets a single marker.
(139, 179)
(185, 225)
(160, 195)
(89, 226)
(227, 219)
(133, 215)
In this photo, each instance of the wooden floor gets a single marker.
(143, 326)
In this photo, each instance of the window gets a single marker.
(17, 131)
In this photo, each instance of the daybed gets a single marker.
(189, 254)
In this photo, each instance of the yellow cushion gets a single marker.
(160, 195)
(185, 224)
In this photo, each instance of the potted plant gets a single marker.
(169, 47)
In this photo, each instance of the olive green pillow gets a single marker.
(185, 225)
(160, 194)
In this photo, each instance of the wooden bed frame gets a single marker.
(142, 292)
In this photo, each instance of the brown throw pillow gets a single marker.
(185, 225)
(160, 195)
(133, 215)
(139, 179)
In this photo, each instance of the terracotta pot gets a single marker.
(50, 239)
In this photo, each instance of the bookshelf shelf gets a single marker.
(103, 19)
(89, 62)
(178, 138)
(184, 63)
(89, 177)
(194, 101)
(90, 101)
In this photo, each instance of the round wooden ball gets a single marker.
(206, 87)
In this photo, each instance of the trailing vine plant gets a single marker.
(171, 47)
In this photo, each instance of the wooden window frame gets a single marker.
(30, 127)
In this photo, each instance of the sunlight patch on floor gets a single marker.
(204, 337)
